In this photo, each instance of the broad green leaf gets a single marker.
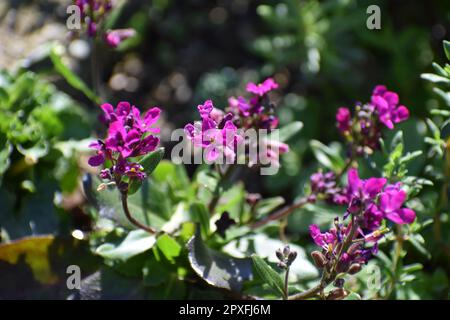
(268, 275)
(151, 160)
(148, 206)
(216, 268)
(136, 242)
(169, 247)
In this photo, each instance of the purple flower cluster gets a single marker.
(215, 132)
(93, 13)
(325, 185)
(130, 135)
(257, 112)
(369, 202)
(334, 255)
(219, 132)
(363, 130)
(372, 200)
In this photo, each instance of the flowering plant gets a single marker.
(267, 211)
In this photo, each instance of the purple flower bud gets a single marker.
(319, 259)
(354, 268)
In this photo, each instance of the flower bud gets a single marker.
(291, 257)
(279, 255)
(101, 187)
(353, 248)
(339, 283)
(286, 250)
(354, 268)
(319, 259)
(337, 294)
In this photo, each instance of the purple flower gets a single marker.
(323, 240)
(325, 185)
(129, 136)
(205, 108)
(391, 202)
(115, 37)
(363, 190)
(377, 201)
(262, 88)
(386, 102)
(343, 118)
(207, 134)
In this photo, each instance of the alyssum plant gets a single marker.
(213, 212)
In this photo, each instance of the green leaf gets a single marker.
(267, 205)
(151, 161)
(412, 267)
(169, 247)
(329, 157)
(435, 78)
(4, 158)
(353, 296)
(216, 268)
(446, 45)
(439, 69)
(136, 242)
(71, 77)
(146, 205)
(290, 130)
(200, 214)
(268, 275)
(416, 240)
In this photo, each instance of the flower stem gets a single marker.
(124, 197)
(286, 284)
(216, 195)
(396, 261)
(281, 213)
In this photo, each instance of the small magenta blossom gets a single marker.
(256, 112)
(92, 13)
(262, 88)
(129, 136)
(370, 201)
(386, 103)
(217, 138)
(362, 128)
(324, 240)
(343, 119)
(377, 201)
(332, 241)
(115, 37)
(391, 202)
